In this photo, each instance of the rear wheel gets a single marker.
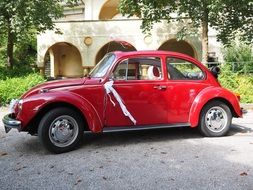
(60, 130)
(215, 119)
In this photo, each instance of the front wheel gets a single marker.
(215, 119)
(60, 130)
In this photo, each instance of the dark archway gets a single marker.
(63, 60)
(178, 46)
(109, 10)
(114, 46)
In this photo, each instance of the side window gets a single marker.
(140, 68)
(179, 69)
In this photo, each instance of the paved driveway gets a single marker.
(158, 159)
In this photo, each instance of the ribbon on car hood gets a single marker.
(109, 89)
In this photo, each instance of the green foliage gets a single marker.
(14, 82)
(240, 57)
(13, 88)
(2, 56)
(228, 17)
(245, 88)
(22, 18)
(151, 11)
(24, 52)
(2, 49)
(238, 61)
(19, 70)
(23, 15)
(228, 78)
(237, 18)
(241, 84)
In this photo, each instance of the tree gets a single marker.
(228, 17)
(21, 17)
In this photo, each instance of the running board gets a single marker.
(146, 127)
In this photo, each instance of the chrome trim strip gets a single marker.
(138, 128)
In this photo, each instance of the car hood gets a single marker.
(54, 84)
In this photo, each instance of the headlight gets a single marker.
(15, 105)
(20, 103)
(12, 105)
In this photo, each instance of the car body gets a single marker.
(126, 91)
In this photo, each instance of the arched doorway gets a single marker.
(114, 46)
(109, 10)
(63, 60)
(178, 46)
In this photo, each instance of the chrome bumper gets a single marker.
(10, 123)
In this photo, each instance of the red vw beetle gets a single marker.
(126, 91)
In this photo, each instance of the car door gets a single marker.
(186, 80)
(141, 85)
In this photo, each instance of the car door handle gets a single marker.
(160, 87)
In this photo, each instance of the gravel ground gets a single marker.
(177, 158)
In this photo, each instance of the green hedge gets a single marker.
(239, 83)
(16, 71)
(12, 88)
(239, 56)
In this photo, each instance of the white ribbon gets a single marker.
(109, 89)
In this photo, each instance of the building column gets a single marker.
(52, 62)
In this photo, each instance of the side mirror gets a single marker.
(215, 70)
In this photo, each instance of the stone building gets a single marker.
(95, 27)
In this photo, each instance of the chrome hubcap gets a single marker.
(63, 131)
(216, 119)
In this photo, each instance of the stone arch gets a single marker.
(109, 10)
(63, 59)
(181, 46)
(113, 46)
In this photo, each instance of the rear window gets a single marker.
(180, 69)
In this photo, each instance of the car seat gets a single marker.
(153, 73)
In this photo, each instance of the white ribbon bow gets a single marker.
(109, 89)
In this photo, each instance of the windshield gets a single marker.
(102, 67)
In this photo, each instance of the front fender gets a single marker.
(212, 93)
(34, 104)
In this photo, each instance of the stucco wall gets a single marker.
(103, 32)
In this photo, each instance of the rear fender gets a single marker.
(209, 94)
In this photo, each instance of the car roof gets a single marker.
(150, 52)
